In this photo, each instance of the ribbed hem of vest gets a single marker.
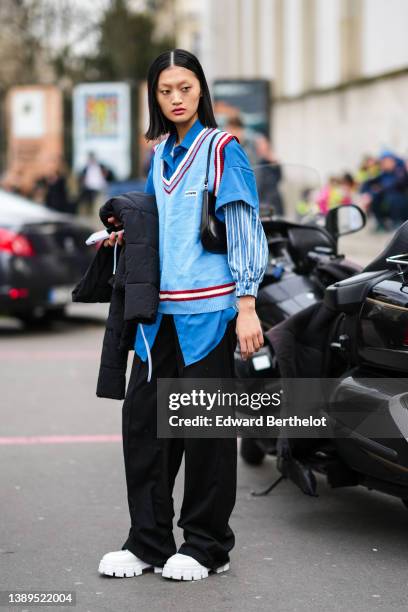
(198, 306)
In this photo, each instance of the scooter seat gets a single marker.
(348, 295)
(396, 246)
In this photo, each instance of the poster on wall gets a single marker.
(34, 136)
(101, 115)
(248, 99)
(28, 114)
(102, 125)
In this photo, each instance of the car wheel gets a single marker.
(250, 452)
(56, 313)
(33, 321)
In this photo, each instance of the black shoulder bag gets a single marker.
(212, 230)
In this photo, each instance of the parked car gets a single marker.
(42, 256)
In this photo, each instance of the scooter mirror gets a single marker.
(345, 219)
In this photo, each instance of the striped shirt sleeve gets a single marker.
(247, 247)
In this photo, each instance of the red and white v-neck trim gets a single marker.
(185, 159)
(186, 162)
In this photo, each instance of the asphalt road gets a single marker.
(63, 504)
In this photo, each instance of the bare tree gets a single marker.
(43, 41)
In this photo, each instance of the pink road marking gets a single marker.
(13, 440)
(44, 354)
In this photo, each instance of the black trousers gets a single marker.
(152, 464)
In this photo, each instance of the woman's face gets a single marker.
(178, 94)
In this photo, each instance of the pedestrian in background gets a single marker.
(386, 194)
(53, 189)
(329, 196)
(369, 169)
(92, 182)
(207, 301)
(268, 172)
(246, 137)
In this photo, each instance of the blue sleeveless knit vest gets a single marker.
(192, 280)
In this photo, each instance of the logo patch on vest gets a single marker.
(190, 193)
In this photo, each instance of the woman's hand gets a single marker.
(114, 235)
(248, 328)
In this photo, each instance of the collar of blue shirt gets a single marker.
(185, 143)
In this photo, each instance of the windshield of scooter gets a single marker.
(289, 190)
(293, 193)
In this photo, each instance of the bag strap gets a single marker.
(208, 161)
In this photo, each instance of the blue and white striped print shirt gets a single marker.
(247, 247)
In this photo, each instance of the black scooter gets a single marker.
(367, 404)
(373, 309)
(303, 261)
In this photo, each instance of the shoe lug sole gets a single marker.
(222, 568)
(192, 574)
(121, 572)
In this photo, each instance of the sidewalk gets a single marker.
(363, 246)
(64, 506)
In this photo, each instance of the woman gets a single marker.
(196, 330)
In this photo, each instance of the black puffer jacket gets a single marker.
(134, 290)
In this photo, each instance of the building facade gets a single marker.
(338, 71)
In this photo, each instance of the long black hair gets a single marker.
(158, 123)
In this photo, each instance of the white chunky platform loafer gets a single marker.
(124, 564)
(184, 567)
